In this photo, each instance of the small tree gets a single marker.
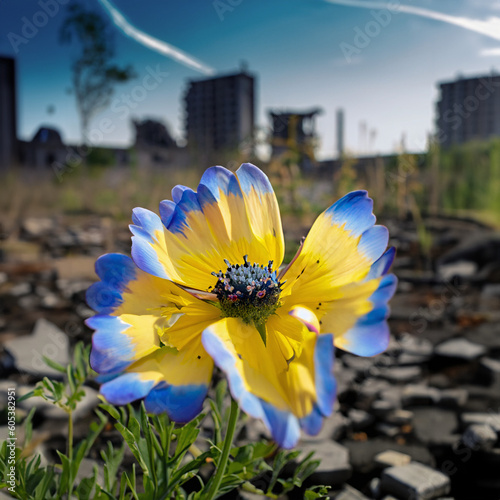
(94, 76)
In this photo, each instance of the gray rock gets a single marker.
(490, 290)
(492, 369)
(492, 419)
(375, 487)
(415, 481)
(359, 419)
(461, 268)
(401, 374)
(83, 311)
(480, 437)
(393, 395)
(410, 344)
(383, 407)
(486, 334)
(418, 394)
(453, 398)
(29, 302)
(46, 340)
(38, 226)
(362, 453)
(20, 289)
(349, 493)
(435, 425)
(51, 301)
(333, 428)
(371, 388)
(389, 430)
(391, 458)
(334, 468)
(406, 359)
(400, 417)
(460, 348)
(359, 364)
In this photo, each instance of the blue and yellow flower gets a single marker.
(205, 285)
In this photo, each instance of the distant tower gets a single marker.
(340, 132)
(8, 112)
(220, 113)
(295, 131)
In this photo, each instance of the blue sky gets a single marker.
(297, 48)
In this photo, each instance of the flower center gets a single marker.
(250, 292)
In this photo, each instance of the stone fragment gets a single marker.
(461, 268)
(20, 289)
(333, 428)
(359, 419)
(401, 374)
(383, 407)
(415, 481)
(46, 340)
(491, 367)
(389, 430)
(34, 227)
(334, 468)
(435, 425)
(453, 398)
(400, 417)
(460, 348)
(418, 394)
(480, 437)
(410, 344)
(391, 458)
(349, 493)
(491, 418)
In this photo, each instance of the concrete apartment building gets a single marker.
(468, 109)
(8, 113)
(220, 113)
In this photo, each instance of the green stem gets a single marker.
(70, 450)
(228, 441)
(70, 435)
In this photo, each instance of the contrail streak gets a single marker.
(490, 27)
(153, 43)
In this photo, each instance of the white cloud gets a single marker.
(153, 43)
(489, 27)
(490, 52)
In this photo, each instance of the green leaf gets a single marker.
(54, 364)
(65, 475)
(261, 328)
(111, 410)
(316, 492)
(27, 396)
(87, 485)
(133, 426)
(28, 426)
(46, 483)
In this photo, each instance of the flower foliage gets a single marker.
(205, 284)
